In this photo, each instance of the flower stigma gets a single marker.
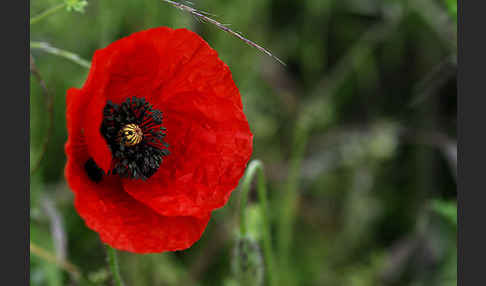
(130, 135)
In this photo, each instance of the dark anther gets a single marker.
(94, 172)
(134, 132)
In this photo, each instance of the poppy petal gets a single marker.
(206, 162)
(209, 138)
(87, 108)
(119, 71)
(123, 222)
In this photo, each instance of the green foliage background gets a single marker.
(357, 136)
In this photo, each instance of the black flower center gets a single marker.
(134, 132)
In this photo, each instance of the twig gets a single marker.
(50, 111)
(435, 79)
(63, 264)
(46, 13)
(202, 16)
(397, 257)
(56, 225)
(62, 53)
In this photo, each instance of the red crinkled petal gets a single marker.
(208, 133)
(209, 137)
(123, 222)
(130, 67)
(90, 116)
(210, 145)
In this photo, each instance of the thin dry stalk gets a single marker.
(434, 80)
(57, 227)
(61, 53)
(50, 112)
(202, 16)
(49, 257)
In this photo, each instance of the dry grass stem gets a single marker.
(202, 16)
(50, 112)
(49, 257)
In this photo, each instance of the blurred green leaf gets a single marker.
(452, 8)
(447, 209)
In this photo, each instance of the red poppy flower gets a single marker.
(157, 139)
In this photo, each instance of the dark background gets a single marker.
(357, 134)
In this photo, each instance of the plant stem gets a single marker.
(46, 13)
(114, 266)
(290, 201)
(253, 167)
(62, 53)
